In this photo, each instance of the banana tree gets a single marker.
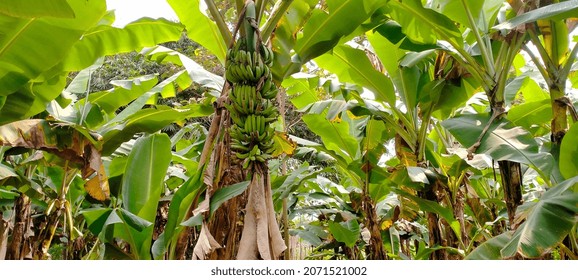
(554, 60)
(492, 75)
(285, 18)
(549, 20)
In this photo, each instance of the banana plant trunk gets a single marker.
(21, 245)
(4, 227)
(559, 123)
(226, 225)
(511, 172)
(375, 249)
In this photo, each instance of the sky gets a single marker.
(129, 10)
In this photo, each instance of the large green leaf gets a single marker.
(390, 55)
(143, 178)
(142, 184)
(302, 90)
(200, 28)
(503, 141)
(346, 232)
(36, 8)
(180, 203)
(423, 25)
(562, 10)
(31, 99)
(32, 46)
(393, 32)
(335, 135)
(6, 172)
(110, 224)
(548, 221)
(124, 92)
(147, 120)
(166, 87)
(284, 186)
(569, 153)
(482, 11)
(223, 194)
(106, 40)
(401, 66)
(352, 65)
(323, 30)
(96, 218)
(197, 73)
(137, 223)
(284, 39)
(490, 250)
(530, 114)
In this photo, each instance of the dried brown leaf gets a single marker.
(65, 141)
(206, 244)
(261, 237)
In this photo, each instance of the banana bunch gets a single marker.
(251, 104)
(246, 66)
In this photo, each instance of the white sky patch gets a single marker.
(130, 10)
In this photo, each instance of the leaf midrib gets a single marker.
(345, 146)
(12, 40)
(420, 16)
(150, 170)
(529, 112)
(513, 146)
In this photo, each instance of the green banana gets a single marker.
(242, 155)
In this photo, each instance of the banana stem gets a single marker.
(85, 105)
(421, 141)
(250, 21)
(568, 64)
(548, 63)
(54, 217)
(512, 50)
(538, 64)
(260, 9)
(281, 97)
(486, 55)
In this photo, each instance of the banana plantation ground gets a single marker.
(296, 129)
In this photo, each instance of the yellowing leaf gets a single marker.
(353, 117)
(337, 119)
(97, 186)
(386, 224)
(283, 144)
